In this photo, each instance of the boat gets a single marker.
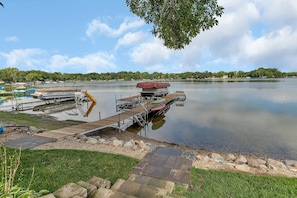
(19, 93)
(153, 89)
(2, 100)
(56, 93)
(159, 101)
(158, 107)
(30, 90)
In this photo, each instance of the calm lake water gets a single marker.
(249, 117)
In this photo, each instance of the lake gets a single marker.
(253, 117)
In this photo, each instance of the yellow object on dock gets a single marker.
(89, 96)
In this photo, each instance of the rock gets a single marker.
(272, 167)
(33, 129)
(91, 140)
(79, 136)
(207, 159)
(84, 138)
(99, 182)
(101, 140)
(114, 138)
(129, 144)
(230, 165)
(253, 162)
(199, 157)
(143, 146)
(216, 156)
(242, 167)
(271, 163)
(241, 159)
(117, 142)
(41, 130)
(91, 189)
(71, 190)
(230, 157)
(290, 162)
(293, 170)
(261, 161)
(263, 168)
(48, 196)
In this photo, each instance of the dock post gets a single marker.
(119, 123)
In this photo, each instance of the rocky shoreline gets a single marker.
(129, 144)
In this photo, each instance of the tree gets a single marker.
(177, 22)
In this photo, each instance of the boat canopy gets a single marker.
(153, 85)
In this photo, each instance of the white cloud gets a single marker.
(97, 62)
(96, 27)
(30, 59)
(274, 49)
(26, 58)
(151, 54)
(12, 39)
(130, 38)
(248, 35)
(278, 13)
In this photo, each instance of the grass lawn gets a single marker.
(54, 168)
(40, 121)
(214, 183)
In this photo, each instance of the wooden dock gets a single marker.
(138, 113)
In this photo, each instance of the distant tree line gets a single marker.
(14, 75)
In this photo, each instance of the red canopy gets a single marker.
(152, 85)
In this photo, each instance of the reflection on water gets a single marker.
(257, 118)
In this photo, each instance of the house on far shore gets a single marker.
(153, 89)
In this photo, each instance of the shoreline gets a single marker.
(203, 159)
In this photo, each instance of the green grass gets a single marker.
(40, 121)
(55, 168)
(213, 183)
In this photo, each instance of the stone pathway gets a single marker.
(167, 164)
(28, 142)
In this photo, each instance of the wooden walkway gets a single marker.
(103, 123)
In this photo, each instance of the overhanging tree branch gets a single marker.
(177, 22)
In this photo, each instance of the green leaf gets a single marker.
(177, 22)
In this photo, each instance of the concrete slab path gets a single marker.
(28, 142)
(167, 164)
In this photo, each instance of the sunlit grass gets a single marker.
(55, 168)
(214, 183)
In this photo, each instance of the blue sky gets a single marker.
(104, 36)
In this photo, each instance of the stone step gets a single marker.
(137, 189)
(159, 183)
(107, 193)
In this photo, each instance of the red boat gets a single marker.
(153, 88)
(152, 85)
(158, 108)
